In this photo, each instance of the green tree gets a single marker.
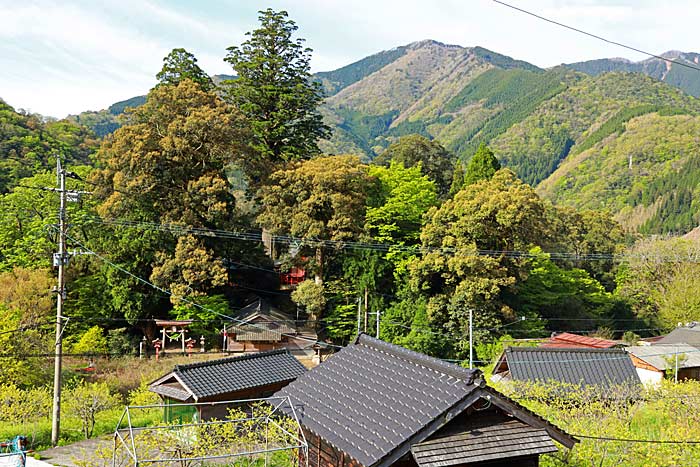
(482, 166)
(435, 161)
(310, 295)
(500, 214)
(553, 292)
(86, 400)
(168, 165)
(180, 64)
(661, 281)
(320, 199)
(275, 92)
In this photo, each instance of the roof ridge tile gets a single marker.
(238, 358)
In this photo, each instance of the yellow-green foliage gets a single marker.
(671, 412)
(91, 341)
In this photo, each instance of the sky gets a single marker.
(64, 57)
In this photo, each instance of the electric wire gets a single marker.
(190, 302)
(595, 36)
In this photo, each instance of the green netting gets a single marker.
(179, 414)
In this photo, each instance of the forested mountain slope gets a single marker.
(29, 144)
(676, 75)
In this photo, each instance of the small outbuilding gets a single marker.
(653, 362)
(578, 366)
(375, 404)
(251, 376)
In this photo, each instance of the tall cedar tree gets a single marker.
(482, 166)
(180, 64)
(274, 90)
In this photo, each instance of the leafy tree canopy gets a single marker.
(436, 161)
(319, 199)
(168, 165)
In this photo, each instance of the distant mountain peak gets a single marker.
(432, 43)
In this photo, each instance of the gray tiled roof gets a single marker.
(481, 439)
(600, 367)
(217, 377)
(371, 397)
(682, 335)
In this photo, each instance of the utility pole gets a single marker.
(59, 258)
(366, 309)
(471, 339)
(359, 315)
(378, 314)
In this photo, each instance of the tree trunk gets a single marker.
(318, 278)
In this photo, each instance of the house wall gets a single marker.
(220, 411)
(322, 454)
(650, 377)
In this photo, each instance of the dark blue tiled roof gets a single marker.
(217, 377)
(600, 367)
(372, 397)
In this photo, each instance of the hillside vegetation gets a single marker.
(671, 73)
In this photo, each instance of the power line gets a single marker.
(595, 36)
(633, 440)
(190, 302)
(387, 247)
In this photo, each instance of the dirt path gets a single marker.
(88, 449)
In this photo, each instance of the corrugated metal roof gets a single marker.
(227, 375)
(569, 340)
(482, 438)
(371, 397)
(600, 367)
(663, 357)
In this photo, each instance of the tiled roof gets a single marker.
(222, 376)
(567, 340)
(600, 367)
(481, 439)
(371, 397)
(682, 335)
(256, 333)
(662, 357)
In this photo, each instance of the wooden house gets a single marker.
(375, 404)
(260, 327)
(250, 376)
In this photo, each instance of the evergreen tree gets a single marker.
(180, 64)
(482, 166)
(275, 92)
